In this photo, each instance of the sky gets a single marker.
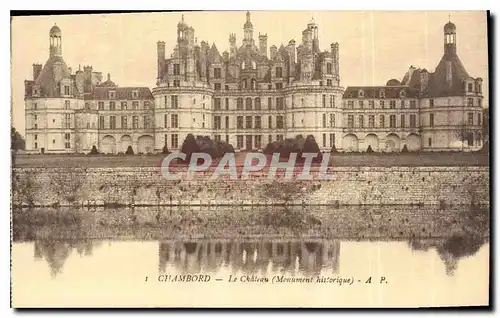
(375, 46)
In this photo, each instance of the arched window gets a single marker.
(254, 83)
(361, 93)
(248, 103)
(257, 103)
(243, 65)
(324, 120)
(244, 83)
(239, 103)
(254, 65)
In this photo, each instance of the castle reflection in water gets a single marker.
(251, 256)
(254, 256)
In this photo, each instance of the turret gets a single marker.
(263, 44)
(450, 38)
(232, 45)
(248, 31)
(37, 68)
(55, 41)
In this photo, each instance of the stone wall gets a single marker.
(351, 186)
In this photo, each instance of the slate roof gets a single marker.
(46, 79)
(122, 93)
(373, 92)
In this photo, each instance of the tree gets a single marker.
(189, 146)
(165, 149)
(311, 146)
(129, 151)
(94, 150)
(405, 148)
(17, 141)
(369, 149)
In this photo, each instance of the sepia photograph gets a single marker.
(250, 159)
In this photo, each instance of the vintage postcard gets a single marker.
(334, 159)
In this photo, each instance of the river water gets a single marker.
(66, 258)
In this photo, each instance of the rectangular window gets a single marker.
(174, 121)
(66, 104)
(431, 120)
(279, 85)
(257, 103)
(479, 119)
(101, 105)
(371, 104)
(226, 87)
(269, 103)
(227, 122)
(470, 101)
(279, 122)
(279, 137)
(177, 83)
(258, 124)
(67, 138)
(324, 100)
(371, 121)
(324, 121)
(403, 117)
(269, 139)
(392, 121)
(124, 122)
(431, 103)
(413, 104)
(382, 104)
(174, 101)
(332, 101)
(279, 72)
(413, 120)
(279, 103)
(329, 82)
(328, 68)
(239, 104)
(258, 141)
(135, 122)
(239, 122)
(101, 122)
(124, 105)
(361, 121)
(324, 140)
(392, 104)
(227, 103)
(382, 121)
(134, 94)
(112, 122)
(217, 122)
(67, 120)
(217, 138)
(66, 90)
(332, 140)
(239, 141)
(470, 119)
(216, 103)
(135, 105)
(430, 142)
(165, 121)
(174, 141)
(269, 122)
(350, 104)
(217, 73)
(360, 103)
(147, 122)
(350, 121)
(177, 69)
(469, 87)
(217, 86)
(332, 120)
(402, 104)
(112, 106)
(248, 122)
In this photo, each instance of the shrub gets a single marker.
(334, 149)
(94, 150)
(405, 149)
(165, 149)
(129, 151)
(189, 146)
(369, 149)
(311, 146)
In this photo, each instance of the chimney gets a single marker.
(79, 79)
(263, 44)
(161, 58)
(273, 50)
(37, 69)
(291, 50)
(424, 80)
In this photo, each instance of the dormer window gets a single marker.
(66, 90)
(382, 94)
(135, 94)
(469, 87)
(177, 69)
(254, 65)
(217, 72)
(112, 94)
(402, 94)
(243, 65)
(361, 93)
(279, 72)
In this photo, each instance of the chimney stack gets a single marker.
(37, 69)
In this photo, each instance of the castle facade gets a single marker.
(249, 98)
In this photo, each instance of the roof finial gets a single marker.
(449, 17)
(109, 77)
(79, 67)
(248, 16)
(182, 18)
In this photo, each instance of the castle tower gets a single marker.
(248, 31)
(55, 41)
(450, 38)
(314, 32)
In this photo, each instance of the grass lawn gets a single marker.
(336, 159)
